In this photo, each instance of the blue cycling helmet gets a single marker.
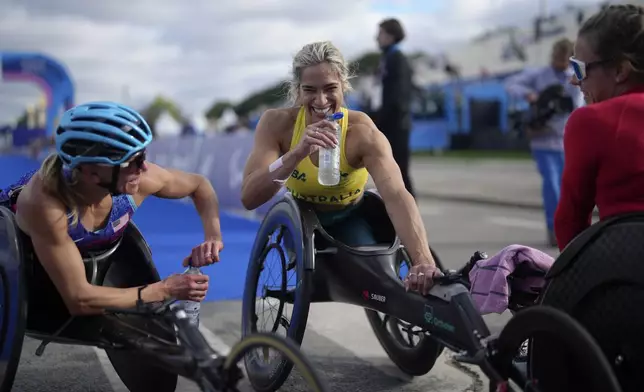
(101, 132)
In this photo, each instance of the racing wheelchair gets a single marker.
(327, 270)
(149, 346)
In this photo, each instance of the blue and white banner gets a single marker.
(220, 158)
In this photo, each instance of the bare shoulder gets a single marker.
(277, 119)
(357, 117)
(362, 128)
(274, 130)
(38, 211)
(151, 181)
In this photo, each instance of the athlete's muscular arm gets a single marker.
(45, 220)
(177, 184)
(378, 159)
(258, 186)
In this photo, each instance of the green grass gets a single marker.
(475, 154)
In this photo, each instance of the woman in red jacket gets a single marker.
(604, 141)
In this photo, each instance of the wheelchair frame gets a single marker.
(448, 314)
(24, 281)
(150, 358)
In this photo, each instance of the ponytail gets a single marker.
(56, 185)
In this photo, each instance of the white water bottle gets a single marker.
(329, 158)
(191, 308)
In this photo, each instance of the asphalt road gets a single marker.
(338, 339)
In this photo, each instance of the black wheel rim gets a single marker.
(273, 295)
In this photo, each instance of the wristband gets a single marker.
(139, 301)
(275, 166)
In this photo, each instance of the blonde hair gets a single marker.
(56, 185)
(311, 55)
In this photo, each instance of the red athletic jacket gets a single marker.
(604, 163)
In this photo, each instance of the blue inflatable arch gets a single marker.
(50, 75)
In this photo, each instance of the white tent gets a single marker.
(228, 118)
(200, 123)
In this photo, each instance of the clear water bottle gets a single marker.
(329, 158)
(191, 308)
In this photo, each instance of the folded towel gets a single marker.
(490, 287)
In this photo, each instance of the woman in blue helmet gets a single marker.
(83, 196)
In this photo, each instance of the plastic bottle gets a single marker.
(191, 308)
(329, 158)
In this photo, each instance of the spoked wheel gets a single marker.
(409, 347)
(251, 345)
(570, 337)
(276, 295)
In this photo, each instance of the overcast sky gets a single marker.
(199, 51)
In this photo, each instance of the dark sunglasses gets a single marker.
(138, 160)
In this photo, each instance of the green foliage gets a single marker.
(159, 105)
(217, 109)
(22, 120)
(364, 65)
(269, 96)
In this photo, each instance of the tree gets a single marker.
(159, 105)
(269, 96)
(217, 109)
(366, 64)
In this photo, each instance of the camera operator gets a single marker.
(551, 98)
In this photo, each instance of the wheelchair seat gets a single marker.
(599, 280)
(373, 210)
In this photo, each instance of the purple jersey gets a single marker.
(123, 207)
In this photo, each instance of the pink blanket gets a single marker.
(490, 287)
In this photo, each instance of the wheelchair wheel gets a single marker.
(13, 310)
(278, 246)
(248, 346)
(411, 349)
(570, 336)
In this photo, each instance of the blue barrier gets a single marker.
(429, 135)
(220, 158)
(24, 136)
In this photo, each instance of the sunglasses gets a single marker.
(138, 160)
(581, 68)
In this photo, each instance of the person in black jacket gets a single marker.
(394, 117)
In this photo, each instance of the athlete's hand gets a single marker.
(319, 134)
(204, 254)
(421, 277)
(186, 287)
